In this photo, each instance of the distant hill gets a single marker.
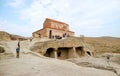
(7, 36)
(4, 35)
(104, 44)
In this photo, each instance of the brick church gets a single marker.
(53, 29)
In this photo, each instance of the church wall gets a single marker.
(58, 32)
(40, 33)
(52, 28)
(49, 23)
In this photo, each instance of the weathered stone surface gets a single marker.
(70, 47)
(100, 62)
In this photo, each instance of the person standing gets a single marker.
(17, 52)
(18, 49)
(108, 59)
(19, 43)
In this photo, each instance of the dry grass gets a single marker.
(104, 44)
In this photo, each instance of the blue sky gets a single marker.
(91, 18)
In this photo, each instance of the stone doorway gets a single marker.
(50, 53)
(80, 51)
(62, 53)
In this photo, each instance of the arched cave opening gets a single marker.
(80, 51)
(88, 53)
(59, 54)
(2, 50)
(62, 53)
(50, 52)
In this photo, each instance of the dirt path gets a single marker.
(35, 66)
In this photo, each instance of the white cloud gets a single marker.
(93, 14)
(23, 30)
(89, 15)
(16, 3)
(39, 10)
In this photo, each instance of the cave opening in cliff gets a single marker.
(2, 50)
(62, 53)
(80, 51)
(88, 53)
(50, 52)
(59, 54)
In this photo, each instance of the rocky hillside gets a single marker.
(104, 44)
(6, 36)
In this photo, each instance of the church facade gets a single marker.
(53, 29)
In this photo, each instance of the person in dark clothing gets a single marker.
(108, 59)
(19, 44)
(18, 49)
(17, 52)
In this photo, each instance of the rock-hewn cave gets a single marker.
(2, 50)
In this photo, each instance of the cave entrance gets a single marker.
(2, 50)
(62, 53)
(88, 53)
(80, 51)
(50, 53)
